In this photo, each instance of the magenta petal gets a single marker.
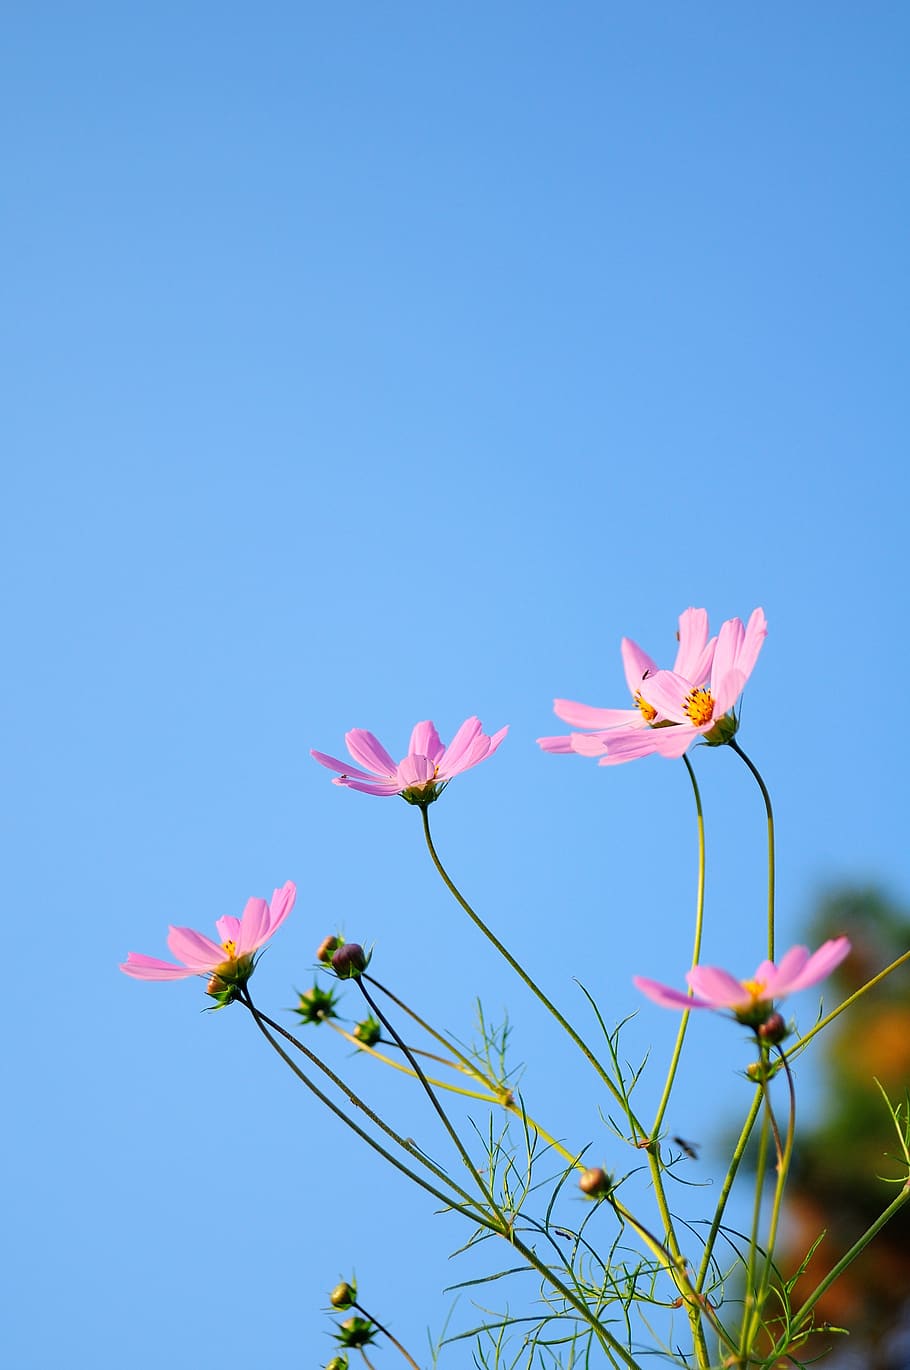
(667, 693)
(229, 928)
(665, 996)
(194, 950)
(636, 664)
(726, 690)
(729, 641)
(254, 926)
(150, 968)
(425, 741)
(586, 716)
(381, 787)
(342, 767)
(370, 752)
(717, 987)
(629, 744)
(461, 745)
(777, 978)
(415, 770)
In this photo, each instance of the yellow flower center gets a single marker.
(700, 707)
(231, 948)
(648, 713)
(754, 988)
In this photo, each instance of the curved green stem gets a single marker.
(466, 1063)
(750, 1308)
(696, 951)
(784, 1157)
(770, 812)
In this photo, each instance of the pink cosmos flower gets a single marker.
(231, 960)
(693, 659)
(751, 1001)
(683, 705)
(425, 771)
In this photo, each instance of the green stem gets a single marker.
(654, 1165)
(467, 1064)
(738, 1153)
(784, 1157)
(770, 812)
(264, 1023)
(518, 969)
(486, 1191)
(750, 1305)
(696, 951)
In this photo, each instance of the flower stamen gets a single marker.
(700, 706)
(647, 711)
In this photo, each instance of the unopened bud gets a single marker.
(596, 1183)
(773, 1029)
(350, 961)
(356, 1332)
(369, 1031)
(338, 1363)
(327, 948)
(343, 1295)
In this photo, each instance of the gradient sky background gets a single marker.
(373, 362)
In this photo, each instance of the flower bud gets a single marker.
(338, 1363)
(327, 947)
(316, 1005)
(356, 1332)
(596, 1183)
(369, 1031)
(343, 1295)
(773, 1029)
(350, 961)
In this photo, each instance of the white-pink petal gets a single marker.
(586, 716)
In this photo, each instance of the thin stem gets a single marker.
(486, 1191)
(406, 1070)
(386, 1333)
(696, 951)
(784, 1157)
(751, 1307)
(467, 1064)
(738, 1153)
(654, 1165)
(770, 812)
(518, 969)
(264, 1023)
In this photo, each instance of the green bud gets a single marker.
(369, 1031)
(724, 730)
(596, 1183)
(343, 1295)
(316, 1005)
(355, 1332)
(338, 1363)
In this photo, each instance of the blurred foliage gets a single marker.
(839, 1183)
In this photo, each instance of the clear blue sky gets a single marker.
(369, 363)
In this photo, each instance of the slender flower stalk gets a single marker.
(696, 952)
(734, 745)
(385, 1332)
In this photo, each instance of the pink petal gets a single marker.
(777, 977)
(693, 638)
(415, 770)
(820, 963)
(726, 692)
(370, 752)
(729, 641)
(229, 928)
(381, 787)
(461, 745)
(665, 996)
(672, 742)
(343, 767)
(194, 950)
(149, 968)
(717, 987)
(667, 692)
(636, 664)
(588, 744)
(560, 746)
(629, 745)
(254, 926)
(425, 741)
(586, 716)
(283, 901)
(756, 632)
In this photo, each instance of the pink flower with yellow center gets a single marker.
(229, 961)
(693, 661)
(750, 1001)
(425, 771)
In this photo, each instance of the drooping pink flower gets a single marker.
(751, 1001)
(693, 659)
(230, 961)
(425, 771)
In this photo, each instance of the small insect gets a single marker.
(690, 1148)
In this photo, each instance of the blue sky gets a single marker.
(374, 363)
